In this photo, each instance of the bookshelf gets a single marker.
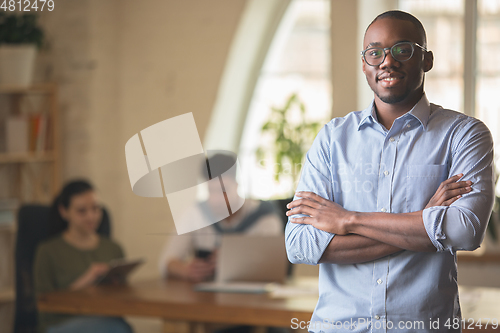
(32, 167)
(6, 158)
(29, 170)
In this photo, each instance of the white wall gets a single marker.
(122, 66)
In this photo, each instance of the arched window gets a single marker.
(465, 38)
(298, 62)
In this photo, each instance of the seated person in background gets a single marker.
(192, 256)
(75, 258)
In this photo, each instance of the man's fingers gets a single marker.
(452, 186)
(202, 271)
(450, 201)
(302, 220)
(453, 193)
(301, 210)
(444, 188)
(303, 202)
(453, 179)
(311, 196)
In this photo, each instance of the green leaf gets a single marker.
(20, 29)
(291, 139)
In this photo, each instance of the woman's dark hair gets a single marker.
(57, 223)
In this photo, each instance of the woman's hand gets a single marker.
(450, 191)
(95, 271)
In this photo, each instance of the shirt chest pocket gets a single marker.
(422, 181)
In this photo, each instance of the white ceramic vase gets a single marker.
(17, 63)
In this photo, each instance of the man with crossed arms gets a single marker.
(376, 205)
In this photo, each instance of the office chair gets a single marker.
(32, 228)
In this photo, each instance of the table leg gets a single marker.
(259, 329)
(198, 328)
(170, 326)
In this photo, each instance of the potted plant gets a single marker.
(292, 136)
(20, 36)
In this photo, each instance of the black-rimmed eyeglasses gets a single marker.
(401, 51)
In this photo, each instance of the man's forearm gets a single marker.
(355, 249)
(405, 231)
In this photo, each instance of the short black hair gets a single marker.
(400, 15)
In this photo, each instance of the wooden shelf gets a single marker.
(35, 89)
(7, 295)
(30, 157)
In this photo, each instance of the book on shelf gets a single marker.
(17, 134)
(38, 132)
(41, 134)
(28, 133)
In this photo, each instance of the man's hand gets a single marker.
(450, 191)
(323, 214)
(198, 270)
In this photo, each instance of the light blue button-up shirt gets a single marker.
(362, 166)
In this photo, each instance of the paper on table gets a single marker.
(236, 287)
(284, 291)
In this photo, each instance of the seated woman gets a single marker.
(75, 258)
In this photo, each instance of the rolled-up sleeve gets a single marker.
(177, 247)
(304, 243)
(462, 225)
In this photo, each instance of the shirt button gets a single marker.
(379, 281)
(383, 210)
(377, 317)
(386, 173)
(391, 139)
(408, 126)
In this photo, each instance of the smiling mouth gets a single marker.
(388, 81)
(390, 77)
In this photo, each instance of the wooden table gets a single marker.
(184, 309)
(177, 303)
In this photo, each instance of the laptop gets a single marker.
(248, 264)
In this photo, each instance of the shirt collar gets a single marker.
(368, 115)
(421, 111)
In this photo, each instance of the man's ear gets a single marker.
(363, 65)
(428, 61)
